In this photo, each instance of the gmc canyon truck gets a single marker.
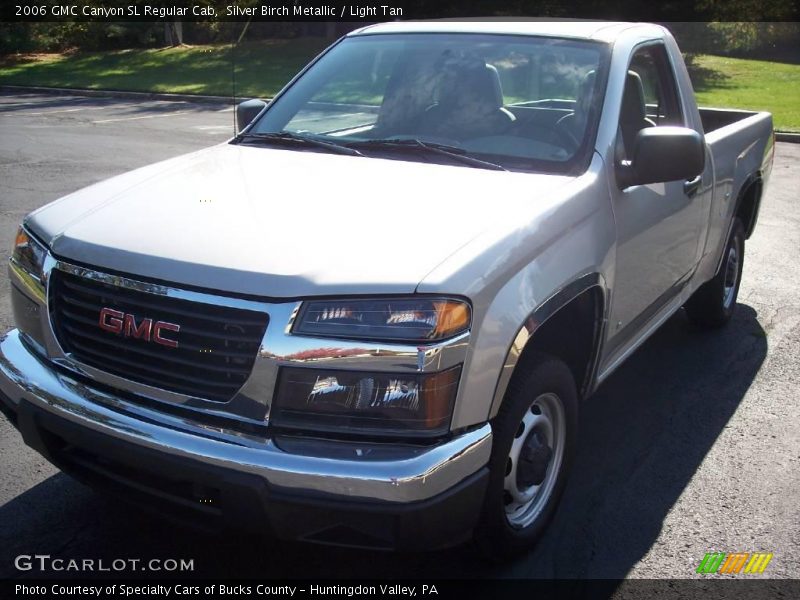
(369, 318)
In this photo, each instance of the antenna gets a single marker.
(233, 68)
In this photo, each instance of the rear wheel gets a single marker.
(713, 304)
(534, 438)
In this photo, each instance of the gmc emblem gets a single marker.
(120, 323)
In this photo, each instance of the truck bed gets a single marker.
(716, 118)
(741, 146)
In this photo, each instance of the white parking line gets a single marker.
(212, 128)
(61, 110)
(172, 114)
(14, 104)
(35, 103)
(67, 110)
(47, 112)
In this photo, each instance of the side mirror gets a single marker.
(663, 154)
(247, 111)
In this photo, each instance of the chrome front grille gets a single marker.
(216, 345)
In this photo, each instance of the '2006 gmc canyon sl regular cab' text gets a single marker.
(369, 318)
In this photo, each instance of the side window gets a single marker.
(650, 98)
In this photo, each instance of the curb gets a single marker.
(119, 94)
(781, 136)
(785, 136)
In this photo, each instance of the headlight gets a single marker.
(357, 402)
(415, 320)
(29, 254)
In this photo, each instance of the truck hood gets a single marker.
(281, 223)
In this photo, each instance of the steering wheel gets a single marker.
(564, 131)
(560, 134)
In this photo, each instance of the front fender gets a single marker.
(508, 276)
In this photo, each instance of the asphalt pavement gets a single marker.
(692, 446)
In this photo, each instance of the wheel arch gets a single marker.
(581, 306)
(748, 202)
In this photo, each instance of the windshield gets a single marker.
(519, 102)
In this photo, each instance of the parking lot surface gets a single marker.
(692, 446)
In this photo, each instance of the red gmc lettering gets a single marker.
(157, 338)
(142, 331)
(120, 323)
(111, 320)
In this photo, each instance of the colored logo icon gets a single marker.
(736, 562)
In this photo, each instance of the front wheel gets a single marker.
(713, 303)
(534, 439)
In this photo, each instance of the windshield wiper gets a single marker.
(287, 137)
(453, 152)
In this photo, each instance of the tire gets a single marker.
(509, 525)
(714, 303)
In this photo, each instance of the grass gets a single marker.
(264, 67)
(750, 84)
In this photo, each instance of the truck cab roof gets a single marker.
(603, 31)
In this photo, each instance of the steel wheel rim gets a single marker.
(731, 275)
(545, 418)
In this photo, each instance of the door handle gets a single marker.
(691, 186)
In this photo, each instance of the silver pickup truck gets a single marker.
(369, 318)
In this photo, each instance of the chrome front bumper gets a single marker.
(387, 473)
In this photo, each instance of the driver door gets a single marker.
(658, 225)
